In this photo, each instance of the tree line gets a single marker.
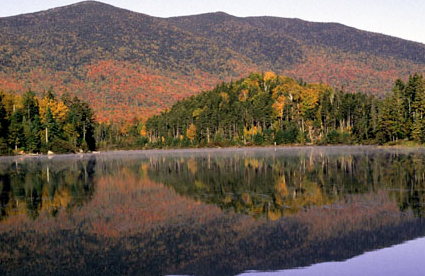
(269, 109)
(262, 109)
(37, 125)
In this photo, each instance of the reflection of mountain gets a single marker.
(219, 248)
(134, 226)
(199, 240)
(274, 186)
(35, 186)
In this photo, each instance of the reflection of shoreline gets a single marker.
(153, 225)
(303, 149)
(177, 151)
(132, 225)
(31, 187)
(275, 185)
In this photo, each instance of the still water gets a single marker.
(283, 211)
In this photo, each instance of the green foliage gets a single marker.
(80, 116)
(282, 110)
(16, 137)
(3, 119)
(30, 105)
(402, 112)
(67, 129)
(287, 135)
(258, 139)
(32, 129)
(4, 148)
(336, 137)
(264, 109)
(62, 146)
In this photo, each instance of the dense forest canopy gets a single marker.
(270, 109)
(32, 125)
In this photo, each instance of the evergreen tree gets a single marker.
(392, 120)
(51, 129)
(3, 119)
(80, 115)
(16, 137)
(30, 105)
(32, 134)
(418, 129)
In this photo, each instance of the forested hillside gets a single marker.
(128, 64)
(270, 109)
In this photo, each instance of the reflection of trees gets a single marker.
(278, 185)
(201, 240)
(33, 186)
(405, 174)
(255, 186)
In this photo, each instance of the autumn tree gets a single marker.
(191, 132)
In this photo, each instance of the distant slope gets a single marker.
(343, 38)
(130, 64)
(90, 31)
(263, 31)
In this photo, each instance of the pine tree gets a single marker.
(392, 124)
(51, 128)
(3, 119)
(32, 138)
(16, 137)
(418, 129)
(30, 105)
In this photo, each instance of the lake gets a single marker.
(250, 211)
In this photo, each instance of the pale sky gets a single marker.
(400, 18)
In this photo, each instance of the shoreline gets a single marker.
(148, 152)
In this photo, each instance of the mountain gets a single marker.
(130, 64)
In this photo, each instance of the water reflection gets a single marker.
(205, 212)
(282, 184)
(36, 186)
(405, 259)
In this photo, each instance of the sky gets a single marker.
(400, 18)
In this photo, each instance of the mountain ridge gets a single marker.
(124, 62)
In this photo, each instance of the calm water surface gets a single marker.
(283, 211)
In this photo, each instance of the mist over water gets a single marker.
(210, 211)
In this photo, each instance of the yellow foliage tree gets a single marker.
(268, 78)
(251, 84)
(243, 95)
(251, 132)
(59, 109)
(125, 128)
(191, 132)
(143, 131)
(197, 112)
(224, 96)
(279, 106)
(309, 99)
(11, 103)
